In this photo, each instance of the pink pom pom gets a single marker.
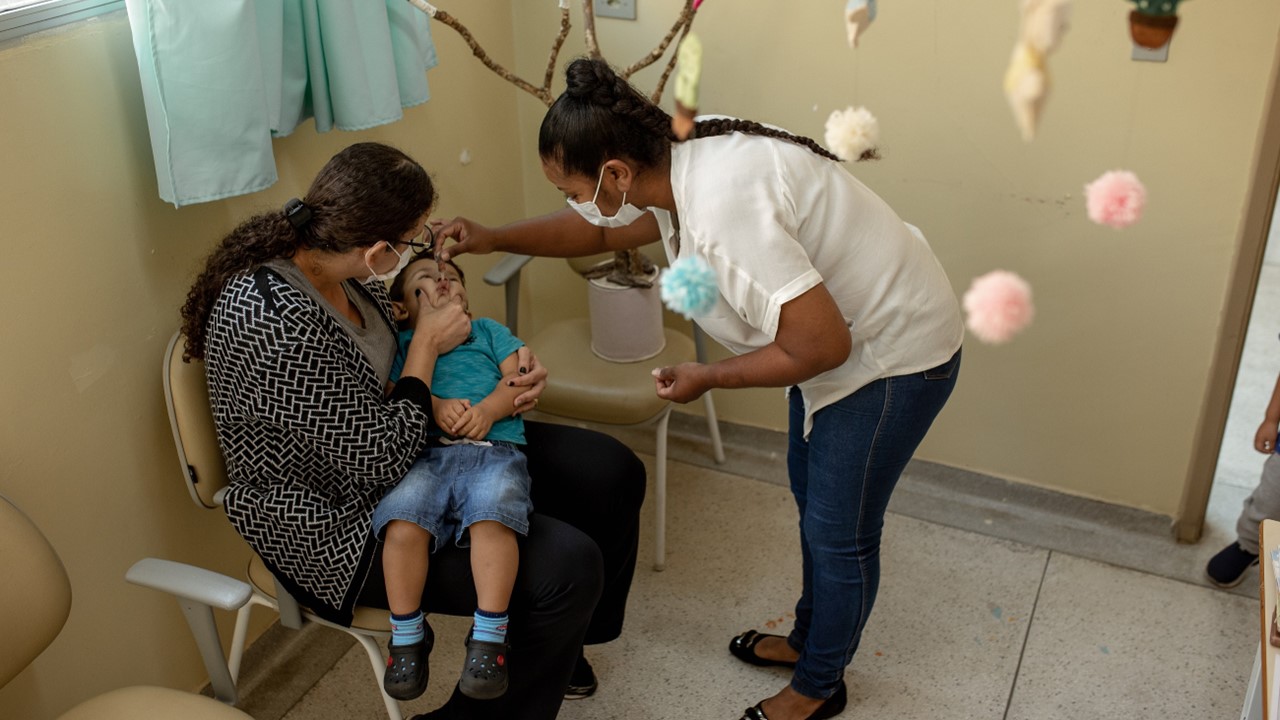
(998, 306)
(1116, 199)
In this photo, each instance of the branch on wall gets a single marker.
(682, 25)
(542, 93)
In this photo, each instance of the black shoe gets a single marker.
(583, 682)
(1226, 569)
(743, 647)
(484, 672)
(829, 708)
(406, 675)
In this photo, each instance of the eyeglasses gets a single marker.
(427, 248)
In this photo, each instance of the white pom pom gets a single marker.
(852, 132)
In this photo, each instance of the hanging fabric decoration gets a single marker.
(685, 87)
(853, 134)
(998, 306)
(1152, 24)
(1026, 81)
(1116, 199)
(858, 14)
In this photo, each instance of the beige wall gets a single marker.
(1100, 396)
(97, 266)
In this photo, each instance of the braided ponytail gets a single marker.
(724, 126)
(367, 193)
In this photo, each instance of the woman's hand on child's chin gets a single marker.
(447, 324)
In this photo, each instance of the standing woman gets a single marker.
(822, 290)
(292, 319)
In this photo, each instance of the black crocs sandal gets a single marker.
(484, 672)
(407, 670)
(743, 647)
(829, 708)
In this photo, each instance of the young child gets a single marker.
(1227, 568)
(471, 486)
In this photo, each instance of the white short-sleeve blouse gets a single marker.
(774, 219)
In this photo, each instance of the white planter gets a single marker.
(626, 322)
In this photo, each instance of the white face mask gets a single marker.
(404, 260)
(626, 214)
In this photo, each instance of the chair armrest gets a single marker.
(190, 583)
(507, 268)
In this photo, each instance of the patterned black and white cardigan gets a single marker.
(310, 441)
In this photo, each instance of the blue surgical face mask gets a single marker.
(626, 214)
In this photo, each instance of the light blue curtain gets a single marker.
(220, 78)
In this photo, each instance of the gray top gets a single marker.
(375, 339)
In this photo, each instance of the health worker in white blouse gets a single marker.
(823, 290)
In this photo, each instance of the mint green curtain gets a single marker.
(221, 78)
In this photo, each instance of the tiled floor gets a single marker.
(966, 626)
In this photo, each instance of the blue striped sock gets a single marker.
(407, 629)
(490, 627)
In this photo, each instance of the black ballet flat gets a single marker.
(743, 647)
(829, 708)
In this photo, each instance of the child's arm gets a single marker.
(1264, 441)
(447, 411)
(476, 422)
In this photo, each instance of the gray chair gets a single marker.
(584, 387)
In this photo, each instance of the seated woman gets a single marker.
(292, 318)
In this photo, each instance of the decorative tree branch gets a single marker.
(589, 29)
(630, 268)
(542, 93)
(682, 22)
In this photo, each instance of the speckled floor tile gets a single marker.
(1112, 643)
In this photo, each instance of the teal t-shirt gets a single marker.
(471, 370)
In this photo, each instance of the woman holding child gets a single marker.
(292, 319)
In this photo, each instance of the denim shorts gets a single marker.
(450, 487)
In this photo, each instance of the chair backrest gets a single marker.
(35, 597)
(186, 392)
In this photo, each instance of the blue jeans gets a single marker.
(841, 478)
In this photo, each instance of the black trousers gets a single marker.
(575, 570)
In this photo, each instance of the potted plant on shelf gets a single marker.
(623, 297)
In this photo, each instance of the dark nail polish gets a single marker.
(523, 371)
(511, 383)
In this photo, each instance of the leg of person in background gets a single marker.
(1227, 568)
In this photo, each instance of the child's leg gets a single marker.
(405, 552)
(495, 558)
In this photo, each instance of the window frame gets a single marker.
(46, 14)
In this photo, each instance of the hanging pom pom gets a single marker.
(853, 133)
(998, 306)
(1116, 199)
(689, 287)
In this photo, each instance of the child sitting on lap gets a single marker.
(469, 486)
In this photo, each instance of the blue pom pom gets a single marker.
(689, 287)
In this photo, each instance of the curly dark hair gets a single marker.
(600, 116)
(367, 193)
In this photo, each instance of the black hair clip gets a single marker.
(297, 212)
